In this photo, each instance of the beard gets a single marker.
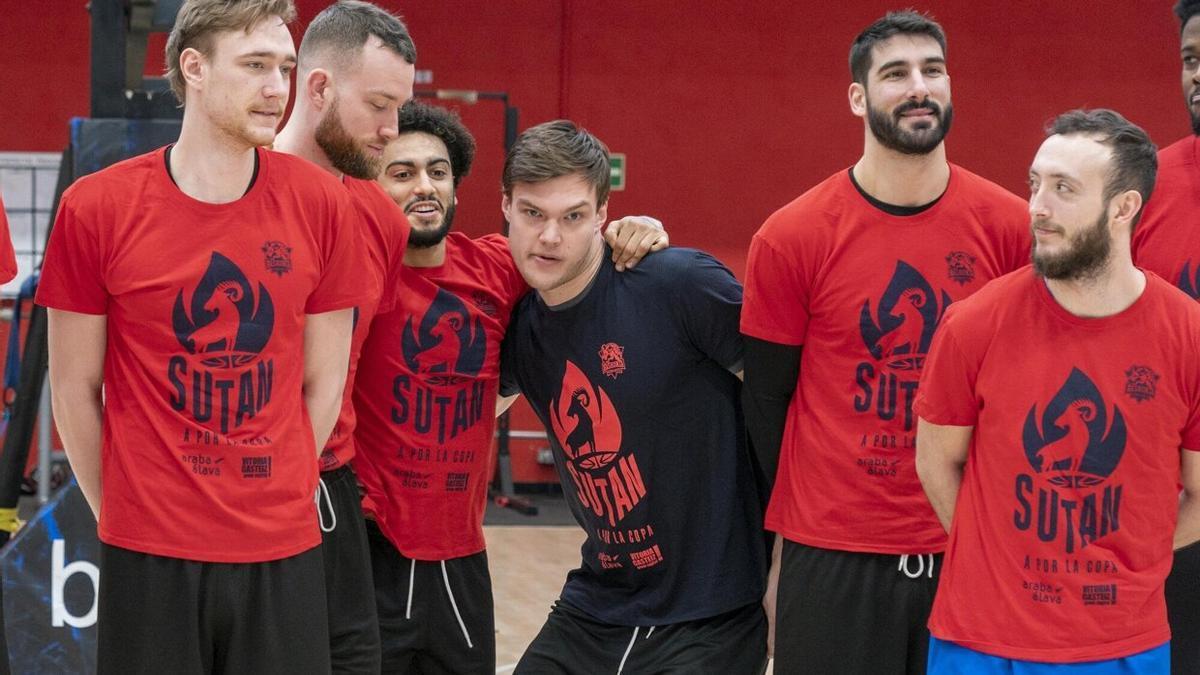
(420, 238)
(1195, 117)
(1087, 256)
(343, 151)
(887, 130)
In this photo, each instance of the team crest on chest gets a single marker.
(612, 359)
(960, 267)
(1141, 383)
(277, 256)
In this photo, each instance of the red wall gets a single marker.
(726, 109)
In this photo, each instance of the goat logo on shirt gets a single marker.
(588, 431)
(224, 326)
(897, 334)
(1073, 447)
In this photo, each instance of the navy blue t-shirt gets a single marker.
(633, 383)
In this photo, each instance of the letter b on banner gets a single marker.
(50, 586)
(59, 573)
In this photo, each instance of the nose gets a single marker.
(1038, 209)
(277, 84)
(1196, 74)
(424, 185)
(550, 234)
(919, 89)
(390, 128)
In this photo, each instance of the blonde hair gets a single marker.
(199, 20)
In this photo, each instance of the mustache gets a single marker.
(1047, 225)
(424, 200)
(913, 105)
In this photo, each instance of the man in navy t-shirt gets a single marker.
(634, 376)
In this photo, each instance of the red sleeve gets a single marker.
(8, 257)
(72, 270)
(1190, 438)
(341, 249)
(397, 229)
(776, 296)
(495, 246)
(946, 394)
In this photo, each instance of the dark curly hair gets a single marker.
(446, 125)
(1185, 10)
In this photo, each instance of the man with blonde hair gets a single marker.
(200, 316)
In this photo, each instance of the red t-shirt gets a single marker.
(862, 291)
(8, 257)
(1167, 240)
(207, 447)
(426, 399)
(385, 232)
(1063, 528)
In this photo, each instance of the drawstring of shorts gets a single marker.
(630, 647)
(453, 604)
(412, 572)
(324, 489)
(920, 565)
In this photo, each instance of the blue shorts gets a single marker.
(948, 658)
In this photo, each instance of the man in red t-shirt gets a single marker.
(1167, 242)
(1058, 410)
(425, 397)
(844, 288)
(355, 70)
(199, 324)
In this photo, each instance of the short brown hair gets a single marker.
(553, 149)
(342, 29)
(198, 20)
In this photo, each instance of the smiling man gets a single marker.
(845, 287)
(428, 386)
(635, 377)
(200, 313)
(1059, 413)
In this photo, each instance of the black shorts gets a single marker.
(733, 643)
(350, 593)
(168, 615)
(1183, 610)
(434, 617)
(853, 613)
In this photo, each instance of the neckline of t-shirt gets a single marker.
(181, 198)
(935, 208)
(605, 263)
(1130, 313)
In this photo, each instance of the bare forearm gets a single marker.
(1187, 530)
(941, 479)
(77, 413)
(324, 402)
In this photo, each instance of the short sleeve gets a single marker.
(776, 300)
(1190, 438)
(396, 229)
(72, 277)
(709, 303)
(341, 252)
(8, 257)
(946, 393)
